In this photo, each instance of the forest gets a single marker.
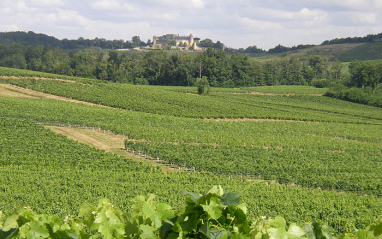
(170, 68)
(180, 69)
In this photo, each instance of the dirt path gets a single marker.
(81, 137)
(6, 91)
(35, 78)
(110, 142)
(23, 92)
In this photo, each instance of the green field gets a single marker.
(343, 52)
(292, 153)
(219, 105)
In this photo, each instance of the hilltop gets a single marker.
(342, 49)
(344, 52)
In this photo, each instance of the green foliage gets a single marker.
(365, 73)
(319, 158)
(368, 38)
(166, 101)
(319, 65)
(363, 52)
(251, 49)
(55, 174)
(202, 86)
(286, 89)
(367, 77)
(171, 42)
(159, 67)
(33, 39)
(320, 83)
(213, 215)
(357, 95)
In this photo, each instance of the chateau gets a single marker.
(163, 40)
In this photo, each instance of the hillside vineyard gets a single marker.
(289, 151)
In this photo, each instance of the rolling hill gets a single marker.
(287, 150)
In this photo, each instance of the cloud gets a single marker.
(237, 23)
(354, 19)
(179, 4)
(113, 5)
(259, 25)
(46, 3)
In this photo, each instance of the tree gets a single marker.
(206, 43)
(319, 66)
(365, 74)
(171, 42)
(336, 71)
(136, 41)
(202, 85)
(219, 45)
(252, 49)
(279, 49)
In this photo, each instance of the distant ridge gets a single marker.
(344, 49)
(37, 39)
(28, 39)
(369, 38)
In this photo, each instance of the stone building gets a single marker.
(162, 40)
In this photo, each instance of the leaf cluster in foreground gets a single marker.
(213, 215)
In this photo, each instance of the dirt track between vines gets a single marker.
(16, 91)
(35, 78)
(109, 142)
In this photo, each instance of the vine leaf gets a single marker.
(230, 199)
(11, 222)
(214, 208)
(147, 232)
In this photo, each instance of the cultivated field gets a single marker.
(288, 150)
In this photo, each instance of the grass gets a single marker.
(363, 52)
(343, 52)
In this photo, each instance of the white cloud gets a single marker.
(354, 19)
(354, 5)
(259, 25)
(263, 23)
(46, 3)
(179, 4)
(66, 17)
(197, 3)
(284, 15)
(113, 5)
(106, 5)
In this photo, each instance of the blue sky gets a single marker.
(237, 23)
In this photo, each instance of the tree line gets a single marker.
(33, 39)
(363, 86)
(368, 38)
(171, 67)
(37, 39)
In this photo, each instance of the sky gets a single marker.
(236, 23)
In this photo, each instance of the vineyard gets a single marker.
(292, 153)
(155, 100)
